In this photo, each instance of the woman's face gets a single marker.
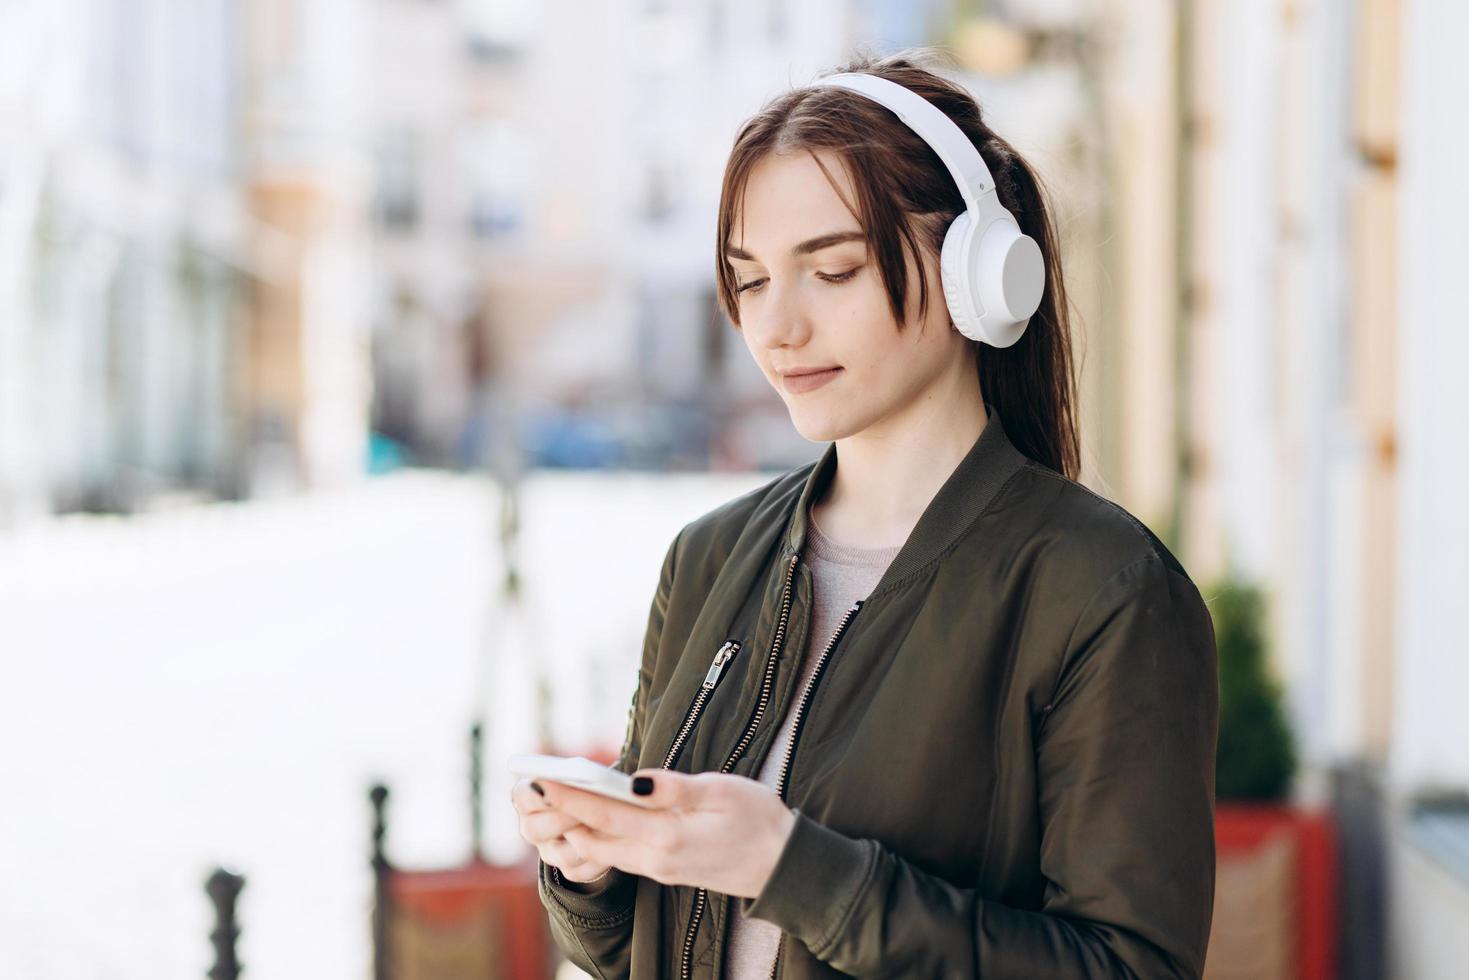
(809, 301)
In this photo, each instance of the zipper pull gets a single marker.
(722, 657)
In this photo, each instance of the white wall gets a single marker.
(1430, 720)
(1432, 699)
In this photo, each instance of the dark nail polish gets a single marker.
(642, 785)
(537, 788)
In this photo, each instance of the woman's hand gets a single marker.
(544, 829)
(709, 830)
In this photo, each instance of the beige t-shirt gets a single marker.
(841, 575)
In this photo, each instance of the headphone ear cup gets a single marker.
(954, 266)
(1011, 276)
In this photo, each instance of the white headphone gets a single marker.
(993, 273)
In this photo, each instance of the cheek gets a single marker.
(898, 364)
(872, 344)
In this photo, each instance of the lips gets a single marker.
(810, 380)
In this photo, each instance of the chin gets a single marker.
(823, 429)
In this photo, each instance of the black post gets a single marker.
(381, 952)
(223, 888)
(476, 774)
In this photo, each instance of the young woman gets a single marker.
(926, 707)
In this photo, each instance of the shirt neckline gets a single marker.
(826, 549)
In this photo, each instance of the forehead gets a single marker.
(788, 198)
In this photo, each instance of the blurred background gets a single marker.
(360, 358)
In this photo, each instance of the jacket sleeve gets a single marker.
(1125, 794)
(592, 924)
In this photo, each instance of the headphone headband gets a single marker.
(927, 120)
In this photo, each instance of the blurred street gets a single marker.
(222, 685)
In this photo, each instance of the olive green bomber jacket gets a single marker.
(1005, 766)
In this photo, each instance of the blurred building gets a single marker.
(122, 253)
(451, 168)
(547, 179)
(181, 252)
(305, 184)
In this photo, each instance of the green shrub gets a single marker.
(1257, 753)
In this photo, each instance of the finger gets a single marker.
(603, 813)
(676, 789)
(546, 825)
(631, 855)
(525, 798)
(563, 854)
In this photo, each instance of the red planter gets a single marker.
(479, 920)
(1306, 839)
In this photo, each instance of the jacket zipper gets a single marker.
(691, 717)
(785, 765)
(701, 897)
(716, 670)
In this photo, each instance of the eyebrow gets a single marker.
(805, 248)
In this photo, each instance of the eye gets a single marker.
(837, 278)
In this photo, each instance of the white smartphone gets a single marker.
(578, 772)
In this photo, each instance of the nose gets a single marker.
(779, 319)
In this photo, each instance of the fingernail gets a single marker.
(642, 785)
(537, 788)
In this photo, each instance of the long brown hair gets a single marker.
(906, 199)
